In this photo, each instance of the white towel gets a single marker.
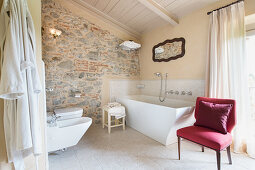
(113, 104)
(20, 84)
(117, 111)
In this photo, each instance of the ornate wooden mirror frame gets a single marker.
(182, 40)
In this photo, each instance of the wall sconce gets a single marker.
(55, 33)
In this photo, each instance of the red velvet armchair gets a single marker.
(207, 137)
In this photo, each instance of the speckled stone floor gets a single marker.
(131, 150)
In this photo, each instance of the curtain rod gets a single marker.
(208, 13)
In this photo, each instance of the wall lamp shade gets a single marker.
(55, 33)
(130, 45)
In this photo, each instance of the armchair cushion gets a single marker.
(213, 116)
(206, 137)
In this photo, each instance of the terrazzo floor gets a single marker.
(131, 150)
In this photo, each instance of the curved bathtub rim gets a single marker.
(126, 97)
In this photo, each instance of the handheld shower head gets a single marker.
(157, 74)
(162, 96)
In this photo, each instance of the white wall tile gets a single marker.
(123, 88)
(152, 88)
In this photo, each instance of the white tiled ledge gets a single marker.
(152, 88)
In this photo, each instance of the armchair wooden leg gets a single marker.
(203, 149)
(229, 155)
(218, 159)
(179, 147)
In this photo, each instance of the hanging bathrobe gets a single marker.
(19, 84)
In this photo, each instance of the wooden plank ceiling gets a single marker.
(136, 16)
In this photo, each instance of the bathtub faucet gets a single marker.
(173, 92)
(189, 93)
(170, 92)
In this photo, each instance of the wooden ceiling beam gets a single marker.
(160, 11)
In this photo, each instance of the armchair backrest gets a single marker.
(232, 115)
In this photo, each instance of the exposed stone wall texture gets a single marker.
(79, 58)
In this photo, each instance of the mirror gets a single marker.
(169, 50)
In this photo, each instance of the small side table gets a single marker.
(109, 122)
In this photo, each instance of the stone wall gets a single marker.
(79, 58)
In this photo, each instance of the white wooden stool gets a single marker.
(109, 122)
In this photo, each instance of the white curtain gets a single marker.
(227, 68)
(250, 46)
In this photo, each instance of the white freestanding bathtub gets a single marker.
(157, 120)
(67, 133)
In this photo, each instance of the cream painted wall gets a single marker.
(35, 9)
(194, 28)
(249, 7)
